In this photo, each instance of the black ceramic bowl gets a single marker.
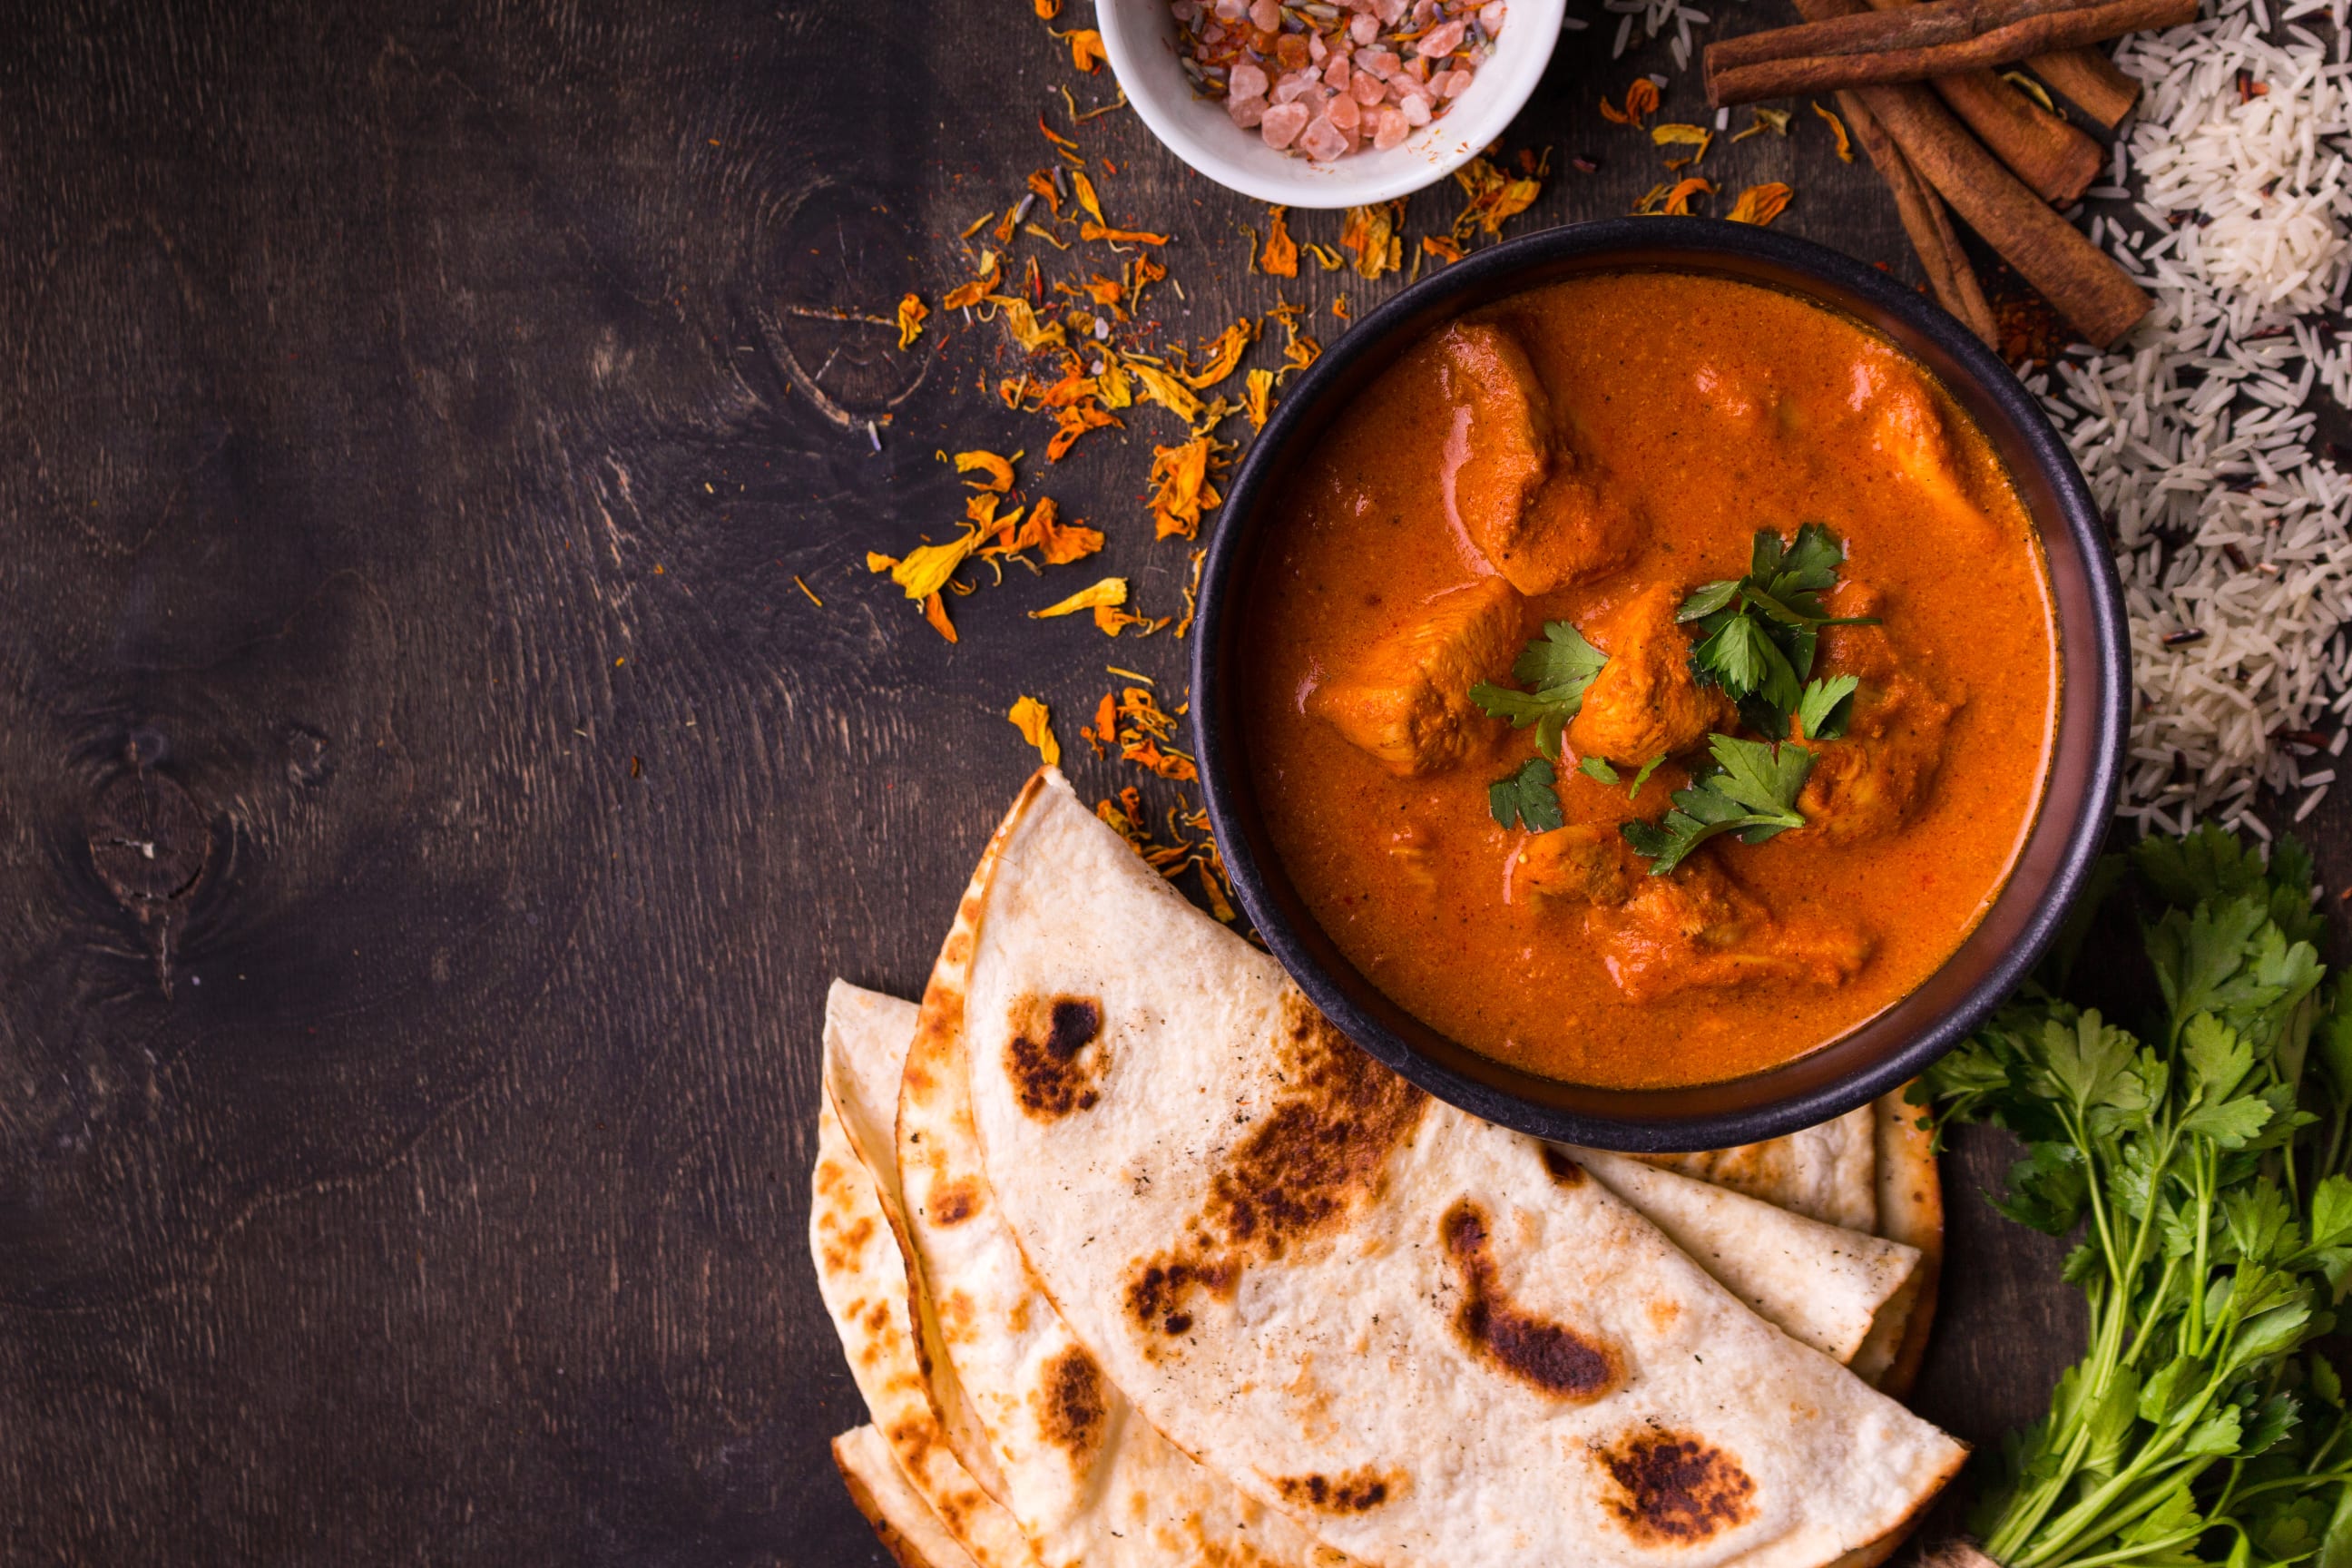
(2078, 798)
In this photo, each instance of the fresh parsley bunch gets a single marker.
(1759, 632)
(2204, 1159)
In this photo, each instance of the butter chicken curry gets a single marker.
(1651, 679)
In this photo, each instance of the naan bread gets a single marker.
(1363, 1305)
(1837, 1291)
(862, 1276)
(1910, 1210)
(1828, 1172)
(910, 1531)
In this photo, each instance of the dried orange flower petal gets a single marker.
(1280, 257)
(1679, 199)
(934, 610)
(912, 313)
(1837, 128)
(1109, 591)
(1223, 355)
(1085, 49)
(1036, 723)
(1259, 401)
(995, 472)
(1759, 204)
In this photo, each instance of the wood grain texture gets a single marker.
(419, 415)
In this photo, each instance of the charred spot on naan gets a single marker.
(1549, 1357)
(1072, 1409)
(1054, 1072)
(1565, 1171)
(956, 1201)
(1356, 1492)
(1674, 1489)
(1321, 1148)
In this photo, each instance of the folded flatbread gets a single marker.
(1828, 1172)
(910, 1531)
(861, 1273)
(1838, 1291)
(1403, 1324)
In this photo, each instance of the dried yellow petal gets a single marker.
(1023, 323)
(1837, 128)
(1155, 385)
(1759, 204)
(1087, 199)
(1259, 401)
(1036, 723)
(1109, 591)
(1224, 353)
(996, 473)
(912, 313)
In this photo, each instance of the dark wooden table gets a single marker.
(430, 812)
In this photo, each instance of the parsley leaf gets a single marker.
(1827, 707)
(1760, 631)
(1751, 790)
(1560, 667)
(1527, 796)
(1597, 768)
(2207, 1168)
(1644, 776)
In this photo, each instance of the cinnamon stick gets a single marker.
(2086, 78)
(1918, 42)
(2081, 282)
(1950, 279)
(2056, 161)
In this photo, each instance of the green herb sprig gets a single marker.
(2206, 1166)
(1527, 796)
(1751, 789)
(1558, 667)
(1759, 632)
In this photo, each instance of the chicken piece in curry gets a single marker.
(1653, 679)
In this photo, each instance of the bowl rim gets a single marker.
(1659, 243)
(1364, 177)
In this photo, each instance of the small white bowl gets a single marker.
(1141, 39)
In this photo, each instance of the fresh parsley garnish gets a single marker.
(1559, 666)
(1597, 768)
(2205, 1164)
(1527, 796)
(1644, 776)
(1758, 632)
(1750, 790)
(1827, 707)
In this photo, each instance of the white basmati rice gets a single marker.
(2234, 537)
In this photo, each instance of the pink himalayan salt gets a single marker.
(1282, 124)
(1364, 29)
(1390, 12)
(1295, 85)
(1457, 83)
(1490, 16)
(1316, 47)
(1381, 63)
(1441, 40)
(1415, 110)
(1345, 113)
(1424, 12)
(1324, 140)
(1389, 126)
(1247, 81)
(1366, 88)
(1335, 75)
(1418, 68)
(1266, 16)
(1247, 111)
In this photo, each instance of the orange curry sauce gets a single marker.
(1693, 411)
